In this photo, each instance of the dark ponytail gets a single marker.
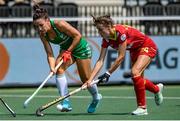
(39, 12)
(36, 6)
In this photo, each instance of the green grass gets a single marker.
(117, 103)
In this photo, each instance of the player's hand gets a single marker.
(66, 56)
(53, 70)
(86, 84)
(104, 78)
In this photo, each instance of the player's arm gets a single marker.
(99, 63)
(49, 52)
(120, 58)
(121, 54)
(64, 27)
(97, 66)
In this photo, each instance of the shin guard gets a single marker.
(139, 88)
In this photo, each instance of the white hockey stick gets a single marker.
(42, 84)
(7, 106)
(39, 110)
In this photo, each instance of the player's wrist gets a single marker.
(107, 72)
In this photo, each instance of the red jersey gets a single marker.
(134, 38)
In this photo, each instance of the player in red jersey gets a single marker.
(142, 50)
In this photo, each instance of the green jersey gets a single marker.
(82, 50)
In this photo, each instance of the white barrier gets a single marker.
(28, 63)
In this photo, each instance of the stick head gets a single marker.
(25, 105)
(39, 113)
(14, 114)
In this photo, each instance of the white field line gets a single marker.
(55, 90)
(105, 97)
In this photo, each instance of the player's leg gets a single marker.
(62, 84)
(84, 68)
(138, 67)
(149, 85)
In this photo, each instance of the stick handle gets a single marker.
(92, 83)
(59, 64)
(43, 83)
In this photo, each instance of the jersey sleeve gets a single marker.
(122, 34)
(122, 38)
(104, 43)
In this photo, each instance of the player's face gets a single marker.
(104, 31)
(42, 25)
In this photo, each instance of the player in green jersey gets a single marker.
(73, 48)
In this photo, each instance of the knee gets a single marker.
(135, 72)
(84, 79)
(60, 71)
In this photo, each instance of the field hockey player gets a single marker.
(142, 50)
(74, 49)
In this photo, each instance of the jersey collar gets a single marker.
(114, 37)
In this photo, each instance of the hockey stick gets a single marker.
(127, 75)
(9, 109)
(39, 110)
(43, 83)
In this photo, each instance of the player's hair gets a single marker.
(105, 20)
(39, 12)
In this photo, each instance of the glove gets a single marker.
(104, 78)
(66, 56)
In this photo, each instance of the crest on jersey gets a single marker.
(123, 37)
